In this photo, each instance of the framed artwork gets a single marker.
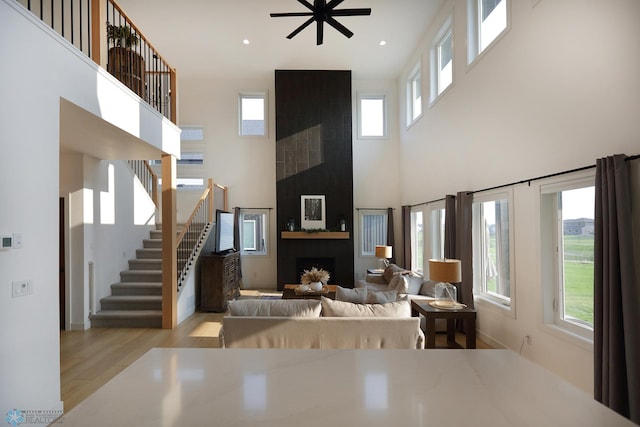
(312, 212)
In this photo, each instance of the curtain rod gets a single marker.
(374, 209)
(236, 207)
(528, 181)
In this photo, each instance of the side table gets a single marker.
(468, 315)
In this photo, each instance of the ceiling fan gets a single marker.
(321, 12)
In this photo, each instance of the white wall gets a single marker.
(246, 165)
(376, 170)
(38, 69)
(109, 215)
(557, 92)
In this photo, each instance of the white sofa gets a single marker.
(299, 324)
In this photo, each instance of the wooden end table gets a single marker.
(466, 314)
(289, 292)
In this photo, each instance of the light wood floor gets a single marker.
(89, 359)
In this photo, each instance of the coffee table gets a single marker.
(289, 292)
(468, 315)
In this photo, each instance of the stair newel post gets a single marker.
(169, 241)
(99, 32)
(211, 206)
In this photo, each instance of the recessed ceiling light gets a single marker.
(246, 41)
(383, 42)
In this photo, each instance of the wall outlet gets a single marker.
(17, 240)
(22, 288)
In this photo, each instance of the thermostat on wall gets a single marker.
(6, 242)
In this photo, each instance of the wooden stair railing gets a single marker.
(191, 238)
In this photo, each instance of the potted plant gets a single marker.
(124, 62)
(315, 278)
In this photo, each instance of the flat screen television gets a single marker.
(224, 232)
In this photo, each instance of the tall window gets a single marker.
(372, 116)
(253, 109)
(442, 60)
(373, 230)
(254, 225)
(417, 240)
(436, 213)
(414, 95)
(567, 226)
(488, 19)
(493, 247)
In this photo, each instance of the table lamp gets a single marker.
(384, 253)
(445, 271)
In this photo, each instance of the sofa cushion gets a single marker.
(331, 308)
(428, 288)
(382, 297)
(281, 308)
(357, 295)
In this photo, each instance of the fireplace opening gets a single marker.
(327, 264)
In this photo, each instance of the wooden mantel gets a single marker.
(315, 235)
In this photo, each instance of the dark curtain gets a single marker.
(450, 226)
(464, 247)
(406, 236)
(616, 294)
(236, 238)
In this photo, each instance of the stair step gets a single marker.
(131, 302)
(149, 253)
(136, 288)
(152, 243)
(145, 264)
(141, 276)
(127, 319)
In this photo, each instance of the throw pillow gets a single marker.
(399, 283)
(331, 308)
(357, 295)
(280, 308)
(381, 297)
(390, 271)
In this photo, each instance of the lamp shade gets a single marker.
(445, 270)
(383, 251)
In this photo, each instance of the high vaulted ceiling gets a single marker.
(204, 38)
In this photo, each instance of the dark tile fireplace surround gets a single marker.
(314, 157)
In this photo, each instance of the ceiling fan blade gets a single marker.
(300, 28)
(338, 26)
(351, 12)
(319, 33)
(279, 15)
(333, 3)
(307, 4)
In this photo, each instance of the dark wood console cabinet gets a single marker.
(219, 280)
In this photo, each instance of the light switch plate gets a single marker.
(17, 240)
(22, 288)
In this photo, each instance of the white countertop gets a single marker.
(302, 388)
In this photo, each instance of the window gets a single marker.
(567, 227)
(254, 225)
(373, 230)
(185, 159)
(436, 213)
(488, 20)
(442, 61)
(187, 183)
(492, 248)
(372, 116)
(417, 240)
(253, 109)
(414, 95)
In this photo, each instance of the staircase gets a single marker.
(136, 301)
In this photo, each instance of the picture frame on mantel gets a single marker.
(312, 212)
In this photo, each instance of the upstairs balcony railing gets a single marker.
(101, 30)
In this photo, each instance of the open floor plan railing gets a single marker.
(102, 31)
